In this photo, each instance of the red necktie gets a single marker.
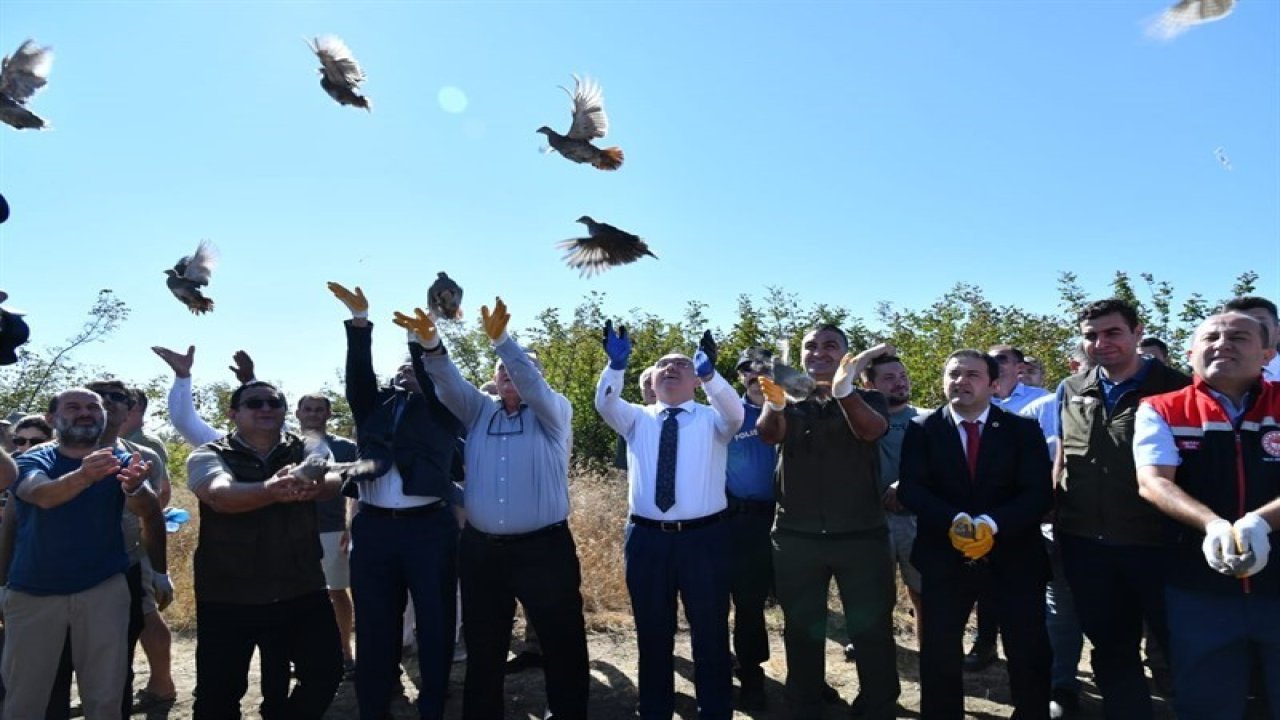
(972, 440)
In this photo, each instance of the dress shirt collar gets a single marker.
(981, 419)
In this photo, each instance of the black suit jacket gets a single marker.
(1012, 486)
(423, 444)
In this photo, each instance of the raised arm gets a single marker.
(361, 381)
(771, 426)
(867, 423)
(182, 408)
(616, 412)
(460, 397)
(552, 409)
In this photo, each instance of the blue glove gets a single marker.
(704, 360)
(617, 346)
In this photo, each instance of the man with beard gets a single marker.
(404, 540)
(887, 375)
(258, 579)
(145, 543)
(830, 524)
(749, 486)
(69, 562)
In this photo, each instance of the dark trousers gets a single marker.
(988, 621)
(1115, 588)
(60, 695)
(542, 572)
(391, 558)
(752, 577)
(303, 630)
(694, 564)
(804, 565)
(1019, 606)
(1216, 638)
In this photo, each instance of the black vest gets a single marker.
(264, 555)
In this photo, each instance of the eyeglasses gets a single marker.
(19, 441)
(274, 403)
(682, 363)
(493, 420)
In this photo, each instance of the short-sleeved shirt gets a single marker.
(72, 547)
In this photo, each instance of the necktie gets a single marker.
(972, 440)
(664, 495)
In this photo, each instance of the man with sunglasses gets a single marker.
(258, 579)
(403, 538)
(516, 544)
(677, 539)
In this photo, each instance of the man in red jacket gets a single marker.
(1208, 456)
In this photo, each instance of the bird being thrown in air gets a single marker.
(340, 74)
(444, 298)
(21, 75)
(589, 123)
(192, 273)
(1186, 14)
(604, 247)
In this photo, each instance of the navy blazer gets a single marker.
(1013, 486)
(423, 444)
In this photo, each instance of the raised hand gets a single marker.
(180, 364)
(617, 345)
(842, 383)
(495, 323)
(704, 358)
(243, 367)
(773, 393)
(355, 301)
(421, 325)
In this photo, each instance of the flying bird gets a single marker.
(796, 384)
(340, 74)
(1223, 160)
(1186, 14)
(444, 298)
(604, 247)
(192, 273)
(21, 75)
(589, 123)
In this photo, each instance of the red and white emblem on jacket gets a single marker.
(1271, 443)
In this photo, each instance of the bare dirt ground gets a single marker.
(613, 688)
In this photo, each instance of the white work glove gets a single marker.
(986, 520)
(1219, 543)
(1251, 535)
(162, 588)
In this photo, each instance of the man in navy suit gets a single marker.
(978, 479)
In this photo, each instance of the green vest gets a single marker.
(261, 556)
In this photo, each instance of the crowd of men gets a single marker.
(1134, 502)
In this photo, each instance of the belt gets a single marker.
(677, 525)
(402, 512)
(503, 539)
(739, 506)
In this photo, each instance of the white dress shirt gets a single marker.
(701, 452)
(964, 437)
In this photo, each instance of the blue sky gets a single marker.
(850, 152)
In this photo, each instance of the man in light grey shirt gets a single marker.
(517, 543)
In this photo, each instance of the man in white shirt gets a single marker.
(677, 540)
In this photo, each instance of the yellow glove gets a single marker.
(983, 540)
(421, 326)
(961, 532)
(355, 302)
(773, 393)
(495, 323)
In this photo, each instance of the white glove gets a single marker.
(1252, 532)
(986, 520)
(162, 588)
(1219, 542)
(842, 383)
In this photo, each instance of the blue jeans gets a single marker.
(1065, 636)
(1212, 638)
